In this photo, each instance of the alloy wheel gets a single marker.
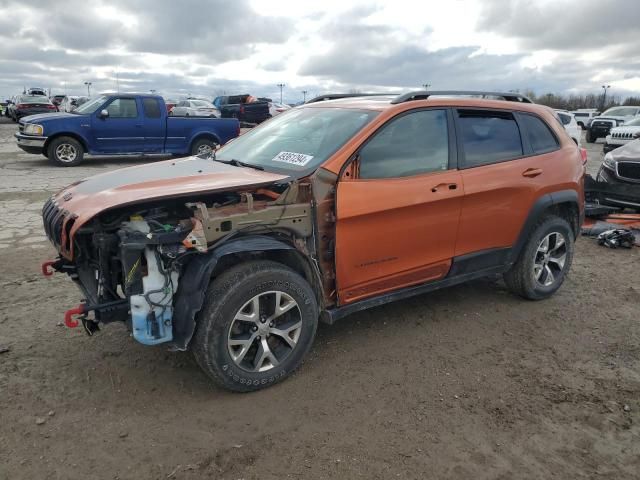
(550, 259)
(66, 152)
(265, 331)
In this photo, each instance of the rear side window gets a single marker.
(540, 137)
(412, 144)
(564, 118)
(488, 137)
(123, 108)
(151, 107)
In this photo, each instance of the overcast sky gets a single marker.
(209, 47)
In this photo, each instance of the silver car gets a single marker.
(194, 108)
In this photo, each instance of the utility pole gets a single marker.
(88, 84)
(304, 98)
(604, 96)
(281, 85)
(426, 86)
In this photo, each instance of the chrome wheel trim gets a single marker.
(550, 259)
(205, 149)
(65, 152)
(265, 331)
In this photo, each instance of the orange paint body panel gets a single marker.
(393, 233)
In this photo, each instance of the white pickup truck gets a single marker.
(622, 135)
(613, 117)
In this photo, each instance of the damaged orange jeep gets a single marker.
(344, 203)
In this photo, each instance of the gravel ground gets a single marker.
(468, 382)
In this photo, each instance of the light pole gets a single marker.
(281, 85)
(304, 96)
(88, 84)
(426, 86)
(604, 95)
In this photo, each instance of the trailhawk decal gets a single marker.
(299, 159)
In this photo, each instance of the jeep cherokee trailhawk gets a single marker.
(330, 208)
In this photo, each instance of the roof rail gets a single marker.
(424, 94)
(336, 96)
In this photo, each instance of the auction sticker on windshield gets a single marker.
(299, 159)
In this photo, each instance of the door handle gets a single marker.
(450, 186)
(532, 172)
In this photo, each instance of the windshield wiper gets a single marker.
(238, 163)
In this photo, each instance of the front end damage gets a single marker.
(149, 265)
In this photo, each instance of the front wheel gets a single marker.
(258, 322)
(65, 152)
(544, 261)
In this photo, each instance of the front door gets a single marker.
(398, 207)
(121, 130)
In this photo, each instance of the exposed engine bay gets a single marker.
(130, 262)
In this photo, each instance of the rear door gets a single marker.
(505, 159)
(398, 207)
(122, 130)
(154, 125)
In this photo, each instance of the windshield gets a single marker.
(621, 112)
(91, 106)
(298, 140)
(34, 99)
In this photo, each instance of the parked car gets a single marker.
(170, 104)
(29, 105)
(70, 102)
(584, 116)
(117, 124)
(194, 108)
(622, 135)
(622, 166)
(277, 108)
(56, 99)
(568, 120)
(613, 117)
(37, 91)
(245, 253)
(236, 106)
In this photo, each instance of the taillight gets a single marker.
(22, 106)
(52, 107)
(583, 154)
(242, 109)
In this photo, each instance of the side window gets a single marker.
(565, 119)
(539, 134)
(488, 137)
(409, 145)
(151, 107)
(123, 108)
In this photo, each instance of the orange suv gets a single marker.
(344, 203)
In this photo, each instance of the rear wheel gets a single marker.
(257, 324)
(65, 152)
(590, 137)
(544, 261)
(204, 146)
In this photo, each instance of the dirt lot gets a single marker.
(467, 383)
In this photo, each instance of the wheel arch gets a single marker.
(202, 135)
(75, 136)
(197, 274)
(564, 204)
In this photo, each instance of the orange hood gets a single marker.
(172, 178)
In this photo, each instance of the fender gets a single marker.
(195, 278)
(537, 210)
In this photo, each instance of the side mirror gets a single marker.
(104, 113)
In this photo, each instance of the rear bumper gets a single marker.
(30, 143)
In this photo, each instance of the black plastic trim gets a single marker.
(425, 94)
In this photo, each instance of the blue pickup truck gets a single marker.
(121, 124)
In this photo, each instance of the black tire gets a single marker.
(590, 137)
(202, 143)
(224, 301)
(56, 156)
(521, 278)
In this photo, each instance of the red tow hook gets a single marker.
(46, 271)
(71, 322)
